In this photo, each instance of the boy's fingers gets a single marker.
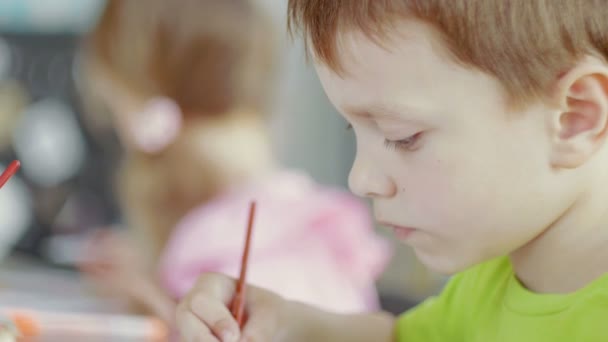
(214, 286)
(193, 329)
(216, 316)
(208, 302)
(261, 326)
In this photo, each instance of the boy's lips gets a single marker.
(403, 233)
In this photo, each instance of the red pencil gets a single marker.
(238, 303)
(9, 172)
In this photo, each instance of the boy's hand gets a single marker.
(204, 314)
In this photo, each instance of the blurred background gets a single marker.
(64, 187)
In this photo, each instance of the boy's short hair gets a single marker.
(525, 44)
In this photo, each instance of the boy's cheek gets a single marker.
(445, 200)
(433, 187)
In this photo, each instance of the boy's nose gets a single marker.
(367, 180)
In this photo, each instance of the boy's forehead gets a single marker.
(373, 70)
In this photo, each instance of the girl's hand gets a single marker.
(117, 268)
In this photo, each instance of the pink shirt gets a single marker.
(310, 243)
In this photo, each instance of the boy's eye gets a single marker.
(408, 144)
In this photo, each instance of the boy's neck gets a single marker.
(572, 252)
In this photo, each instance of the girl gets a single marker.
(187, 83)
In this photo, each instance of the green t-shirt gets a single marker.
(488, 304)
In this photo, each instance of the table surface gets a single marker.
(24, 283)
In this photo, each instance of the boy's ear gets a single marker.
(157, 125)
(580, 126)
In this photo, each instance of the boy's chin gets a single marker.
(445, 264)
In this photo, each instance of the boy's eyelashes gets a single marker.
(410, 143)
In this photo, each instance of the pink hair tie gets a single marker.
(157, 125)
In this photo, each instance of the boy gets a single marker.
(481, 132)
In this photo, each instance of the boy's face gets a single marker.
(440, 154)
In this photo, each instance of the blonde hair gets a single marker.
(211, 58)
(524, 44)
